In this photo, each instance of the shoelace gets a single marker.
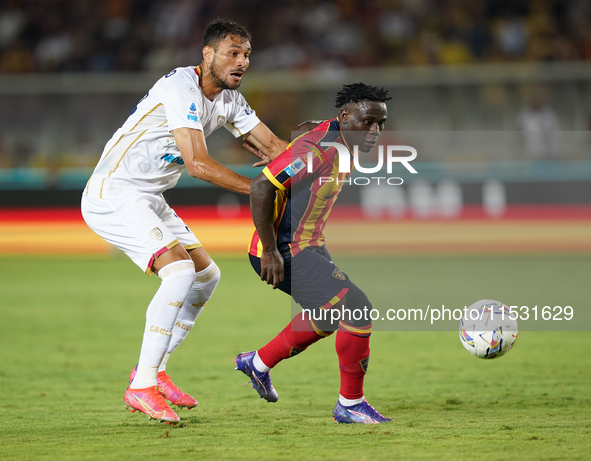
(157, 396)
(258, 380)
(373, 409)
(166, 380)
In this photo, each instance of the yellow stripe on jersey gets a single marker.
(317, 203)
(272, 178)
(132, 129)
(234, 126)
(126, 150)
(115, 145)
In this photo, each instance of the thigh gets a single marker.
(316, 281)
(177, 226)
(133, 224)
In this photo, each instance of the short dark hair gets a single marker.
(219, 29)
(360, 92)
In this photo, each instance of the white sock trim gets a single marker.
(145, 377)
(207, 274)
(259, 364)
(350, 402)
(176, 266)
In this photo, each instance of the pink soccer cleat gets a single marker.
(150, 402)
(170, 391)
(173, 394)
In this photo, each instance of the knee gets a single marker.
(204, 284)
(208, 277)
(356, 308)
(178, 273)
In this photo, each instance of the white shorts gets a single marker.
(141, 225)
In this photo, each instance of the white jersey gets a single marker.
(143, 154)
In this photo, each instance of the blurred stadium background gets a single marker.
(495, 95)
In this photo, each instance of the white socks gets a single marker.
(177, 279)
(144, 377)
(350, 402)
(259, 364)
(201, 290)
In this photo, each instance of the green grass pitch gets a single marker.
(71, 330)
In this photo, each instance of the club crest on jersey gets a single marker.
(156, 234)
(221, 120)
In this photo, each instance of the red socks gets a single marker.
(294, 338)
(352, 344)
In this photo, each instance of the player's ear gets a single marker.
(208, 52)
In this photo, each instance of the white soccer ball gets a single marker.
(488, 329)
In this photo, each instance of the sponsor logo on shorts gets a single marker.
(337, 274)
(156, 234)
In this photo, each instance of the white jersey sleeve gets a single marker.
(182, 102)
(242, 119)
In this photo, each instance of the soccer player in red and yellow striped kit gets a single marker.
(290, 204)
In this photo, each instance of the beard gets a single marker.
(217, 79)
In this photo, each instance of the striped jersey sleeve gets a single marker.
(301, 159)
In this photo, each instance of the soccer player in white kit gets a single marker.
(123, 201)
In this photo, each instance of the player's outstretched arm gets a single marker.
(307, 126)
(251, 146)
(193, 148)
(262, 199)
(262, 138)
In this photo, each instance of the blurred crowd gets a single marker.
(157, 35)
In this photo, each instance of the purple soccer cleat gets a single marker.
(261, 382)
(362, 413)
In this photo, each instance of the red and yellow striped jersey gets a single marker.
(308, 181)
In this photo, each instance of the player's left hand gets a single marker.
(272, 269)
(257, 153)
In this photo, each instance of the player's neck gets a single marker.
(343, 137)
(209, 88)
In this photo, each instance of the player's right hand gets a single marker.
(272, 270)
(250, 147)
